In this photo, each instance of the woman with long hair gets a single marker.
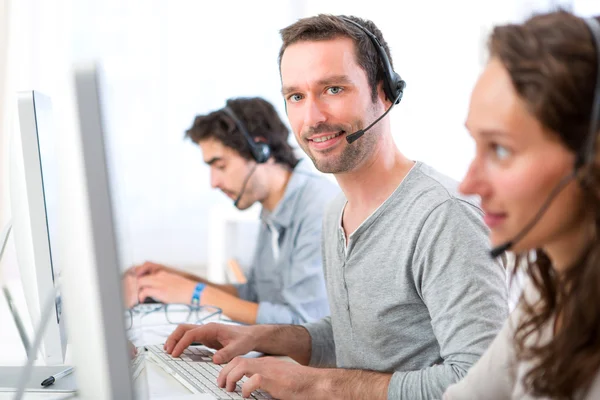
(537, 171)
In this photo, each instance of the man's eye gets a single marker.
(294, 98)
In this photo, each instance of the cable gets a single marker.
(237, 201)
(11, 306)
(18, 321)
(4, 237)
(498, 250)
(356, 135)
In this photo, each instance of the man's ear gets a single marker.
(381, 95)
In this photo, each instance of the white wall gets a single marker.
(166, 61)
(38, 59)
(4, 123)
(586, 8)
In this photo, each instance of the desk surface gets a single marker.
(153, 382)
(161, 386)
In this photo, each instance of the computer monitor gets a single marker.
(91, 279)
(34, 208)
(91, 275)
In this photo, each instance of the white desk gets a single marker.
(161, 386)
(153, 382)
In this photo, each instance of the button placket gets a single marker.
(344, 279)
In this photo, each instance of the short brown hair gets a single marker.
(552, 63)
(327, 27)
(260, 119)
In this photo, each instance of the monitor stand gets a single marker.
(9, 376)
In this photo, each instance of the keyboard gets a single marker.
(196, 371)
(137, 363)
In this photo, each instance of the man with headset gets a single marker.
(414, 299)
(245, 145)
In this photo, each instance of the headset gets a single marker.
(585, 155)
(393, 84)
(261, 152)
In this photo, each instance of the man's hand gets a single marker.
(149, 268)
(130, 289)
(287, 380)
(280, 378)
(132, 349)
(166, 287)
(229, 340)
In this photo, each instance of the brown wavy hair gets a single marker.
(327, 27)
(260, 119)
(552, 62)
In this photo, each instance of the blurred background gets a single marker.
(166, 61)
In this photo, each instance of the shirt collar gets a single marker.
(282, 215)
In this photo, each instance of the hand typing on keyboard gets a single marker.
(196, 371)
(280, 378)
(229, 340)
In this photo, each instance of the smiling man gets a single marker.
(414, 298)
(245, 145)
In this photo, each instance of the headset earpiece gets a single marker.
(261, 152)
(393, 85)
(398, 87)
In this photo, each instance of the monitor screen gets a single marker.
(34, 205)
(49, 171)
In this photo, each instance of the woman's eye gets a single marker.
(501, 152)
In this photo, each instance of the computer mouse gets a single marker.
(150, 300)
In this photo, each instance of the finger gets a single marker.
(235, 376)
(130, 271)
(145, 268)
(149, 281)
(227, 353)
(190, 336)
(244, 367)
(233, 348)
(176, 336)
(227, 368)
(132, 350)
(209, 335)
(254, 383)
